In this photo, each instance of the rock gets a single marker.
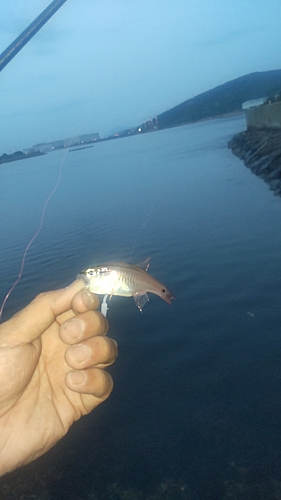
(260, 149)
(274, 174)
(274, 185)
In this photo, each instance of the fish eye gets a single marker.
(163, 290)
(90, 272)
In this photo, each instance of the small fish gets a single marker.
(126, 280)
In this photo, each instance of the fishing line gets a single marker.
(143, 225)
(152, 206)
(41, 220)
(33, 237)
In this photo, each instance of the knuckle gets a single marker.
(100, 323)
(41, 296)
(106, 384)
(101, 380)
(109, 349)
(113, 350)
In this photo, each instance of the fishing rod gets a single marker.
(5, 58)
(29, 32)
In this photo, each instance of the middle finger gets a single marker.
(96, 351)
(83, 326)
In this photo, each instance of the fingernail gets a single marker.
(74, 328)
(80, 353)
(87, 298)
(77, 378)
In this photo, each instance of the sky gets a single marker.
(103, 66)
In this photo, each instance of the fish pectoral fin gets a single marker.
(141, 300)
(144, 264)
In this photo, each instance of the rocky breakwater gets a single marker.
(260, 149)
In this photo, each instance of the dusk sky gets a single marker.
(102, 66)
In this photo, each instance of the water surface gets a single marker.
(197, 385)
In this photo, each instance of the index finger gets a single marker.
(82, 302)
(85, 301)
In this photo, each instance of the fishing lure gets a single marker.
(125, 280)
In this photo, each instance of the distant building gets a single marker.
(253, 102)
(267, 116)
(46, 147)
(89, 137)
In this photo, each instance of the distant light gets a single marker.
(139, 129)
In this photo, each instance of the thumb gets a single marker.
(29, 323)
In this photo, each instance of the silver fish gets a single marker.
(126, 280)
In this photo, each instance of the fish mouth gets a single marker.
(168, 298)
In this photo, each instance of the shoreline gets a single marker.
(19, 155)
(260, 150)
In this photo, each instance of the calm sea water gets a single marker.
(197, 398)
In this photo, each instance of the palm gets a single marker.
(47, 405)
(38, 401)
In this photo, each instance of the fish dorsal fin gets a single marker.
(141, 300)
(144, 264)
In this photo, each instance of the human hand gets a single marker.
(52, 355)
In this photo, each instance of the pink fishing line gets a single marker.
(32, 239)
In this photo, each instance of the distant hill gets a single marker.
(226, 98)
